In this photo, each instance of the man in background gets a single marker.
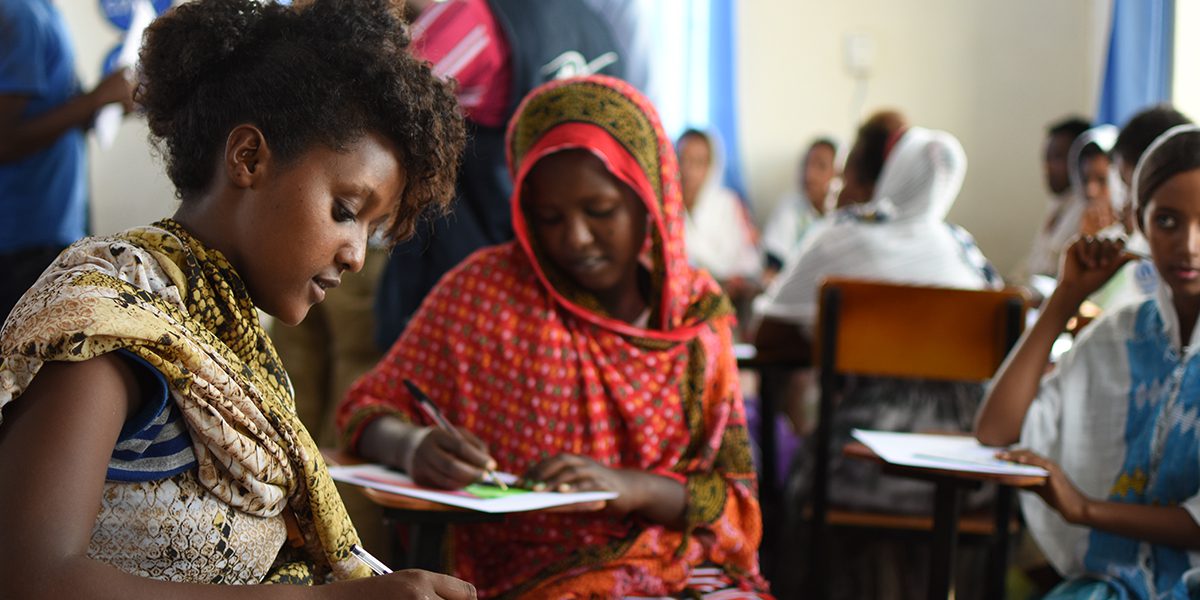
(43, 116)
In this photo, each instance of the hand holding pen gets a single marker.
(408, 584)
(449, 457)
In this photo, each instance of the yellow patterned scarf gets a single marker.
(159, 293)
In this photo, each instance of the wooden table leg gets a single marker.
(946, 508)
(997, 573)
(770, 385)
(425, 542)
(770, 500)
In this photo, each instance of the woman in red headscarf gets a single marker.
(587, 354)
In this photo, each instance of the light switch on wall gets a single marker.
(860, 54)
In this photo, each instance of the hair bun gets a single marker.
(188, 48)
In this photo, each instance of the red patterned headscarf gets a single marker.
(517, 354)
(610, 119)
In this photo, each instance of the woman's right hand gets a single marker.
(450, 462)
(411, 583)
(1088, 263)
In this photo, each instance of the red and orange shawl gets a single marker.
(515, 353)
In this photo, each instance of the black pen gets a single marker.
(431, 410)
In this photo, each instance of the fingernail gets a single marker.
(539, 487)
(564, 487)
(491, 464)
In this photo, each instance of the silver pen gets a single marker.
(372, 563)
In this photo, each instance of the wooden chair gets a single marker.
(901, 331)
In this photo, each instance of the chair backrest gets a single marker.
(893, 330)
(906, 331)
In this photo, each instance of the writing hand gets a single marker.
(450, 462)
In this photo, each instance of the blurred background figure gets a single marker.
(43, 116)
(1062, 218)
(1093, 181)
(800, 209)
(721, 238)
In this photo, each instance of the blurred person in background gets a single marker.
(801, 208)
(44, 113)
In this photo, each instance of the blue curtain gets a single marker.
(1138, 70)
(693, 70)
(722, 86)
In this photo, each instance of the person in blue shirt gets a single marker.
(43, 116)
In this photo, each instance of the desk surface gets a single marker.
(860, 451)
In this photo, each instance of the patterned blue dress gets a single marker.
(1121, 416)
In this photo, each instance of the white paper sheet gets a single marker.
(958, 453)
(108, 120)
(385, 479)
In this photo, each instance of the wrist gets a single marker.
(93, 101)
(1064, 303)
(392, 441)
(634, 491)
(406, 449)
(1082, 514)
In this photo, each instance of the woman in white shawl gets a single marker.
(720, 237)
(898, 235)
(909, 178)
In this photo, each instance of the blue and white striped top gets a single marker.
(154, 443)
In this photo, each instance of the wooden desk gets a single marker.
(949, 485)
(426, 521)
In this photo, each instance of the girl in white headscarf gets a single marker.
(720, 237)
(1115, 423)
(1094, 183)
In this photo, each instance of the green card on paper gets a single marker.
(487, 492)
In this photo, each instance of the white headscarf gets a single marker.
(1048, 246)
(720, 237)
(909, 241)
(1104, 137)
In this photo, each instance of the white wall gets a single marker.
(993, 73)
(1185, 84)
(129, 185)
